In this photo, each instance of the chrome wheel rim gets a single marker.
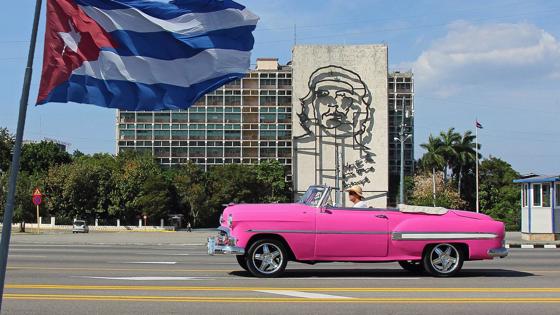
(267, 258)
(444, 258)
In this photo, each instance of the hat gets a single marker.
(356, 189)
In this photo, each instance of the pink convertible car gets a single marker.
(436, 240)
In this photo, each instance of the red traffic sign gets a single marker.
(37, 197)
(37, 200)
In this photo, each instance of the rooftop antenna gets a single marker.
(295, 34)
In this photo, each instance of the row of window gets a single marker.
(542, 195)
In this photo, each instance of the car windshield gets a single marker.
(79, 222)
(312, 196)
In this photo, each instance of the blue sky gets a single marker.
(498, 61)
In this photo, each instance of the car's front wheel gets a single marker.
(443, 260)
(266, 258)
(414, 266)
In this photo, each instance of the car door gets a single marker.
(351, 232)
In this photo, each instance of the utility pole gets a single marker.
(403, 136)
(10, 201)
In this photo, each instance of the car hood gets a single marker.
(258, 212)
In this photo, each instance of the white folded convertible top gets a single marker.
(422, 209)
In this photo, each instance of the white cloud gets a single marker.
(491, 55)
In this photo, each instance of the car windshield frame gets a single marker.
(315, 196)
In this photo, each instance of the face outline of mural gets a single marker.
(339, 102)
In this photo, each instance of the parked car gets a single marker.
(264, 237)
(80, 226)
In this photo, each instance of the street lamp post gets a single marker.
(403, 136)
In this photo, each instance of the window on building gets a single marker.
(524, 192)
(197, 118)
(537, 195)
(546, 195)
(161, 134)
(557, 195)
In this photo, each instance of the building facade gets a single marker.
(401, 102)
(246, 121)
(259, 118)
(340, 119)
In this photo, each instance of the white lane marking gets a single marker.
(144, 262)
(527, 246)
(150, 278)
(306, 295)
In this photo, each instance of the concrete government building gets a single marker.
(330, 116)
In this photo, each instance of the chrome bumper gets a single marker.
(498, 252)
(224, 244)
(214, 248)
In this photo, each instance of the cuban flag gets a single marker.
(143, 55)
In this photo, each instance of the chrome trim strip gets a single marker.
(320, 232)
(419, 236)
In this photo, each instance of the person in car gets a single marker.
(356, 197)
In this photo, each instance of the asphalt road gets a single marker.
(153, 273)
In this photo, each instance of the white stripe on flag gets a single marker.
(209, 64)
(191, 24)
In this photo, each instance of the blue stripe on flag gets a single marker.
(127, 95)
(165, 10)
(180, 46)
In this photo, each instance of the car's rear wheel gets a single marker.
(266, 258)
(443, 260)
(241, 261)
(414, 266)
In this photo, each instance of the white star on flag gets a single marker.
(71, 39)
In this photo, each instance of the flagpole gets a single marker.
(9, 211)
(476, 145)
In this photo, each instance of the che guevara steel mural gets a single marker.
(339, 104)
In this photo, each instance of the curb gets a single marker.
(532, 246)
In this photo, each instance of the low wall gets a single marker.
(541, 237)
(100, 228)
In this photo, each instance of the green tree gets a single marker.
(190, 183)
(6, 145)
(81, 189)
(465, 149)
(272, 178)
(499, 196)
(445, 195)
(154, 199)
(432, 160)
(128, 179)
(24, 209)
(448, 149)
(39, 157)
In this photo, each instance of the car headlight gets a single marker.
(230, 220)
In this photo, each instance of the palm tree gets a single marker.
(448, 149)
(433, 159)
(466, 155)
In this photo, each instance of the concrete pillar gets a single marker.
(53, 221)
(96, 222)
(139, 222)
(161, 222)
(118, 222)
